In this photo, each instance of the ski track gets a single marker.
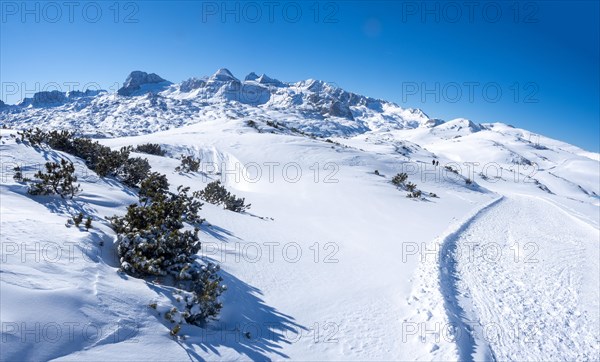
(514, 290)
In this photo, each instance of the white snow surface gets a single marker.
(332, 262)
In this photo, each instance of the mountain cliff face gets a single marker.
(137, 79)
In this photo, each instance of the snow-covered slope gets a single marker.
(332, 261)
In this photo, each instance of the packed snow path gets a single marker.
(526, 278)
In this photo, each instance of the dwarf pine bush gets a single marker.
(410, 187)
(153, 186)
(133, 171)
(215, 193)
(88, 223)
(416, 194)
(151, 149)
(188, 164)
(235, 204)
(399, 179)
(18, 176)
(78, 219)
(101, 159)
(158, 236)
(450, 169)
(153, 241)
(59, 179)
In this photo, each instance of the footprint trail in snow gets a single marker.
(528, 273)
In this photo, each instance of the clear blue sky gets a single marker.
(542, 56)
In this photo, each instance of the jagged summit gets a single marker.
(137, 79)
(263, 79)
(250, 77)
(223, 75)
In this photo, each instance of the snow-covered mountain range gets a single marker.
(499, 259)
(148, 103)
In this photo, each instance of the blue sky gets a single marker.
(534, 65)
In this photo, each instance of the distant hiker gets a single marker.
(433, 162)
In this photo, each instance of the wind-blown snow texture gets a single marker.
(332, 261)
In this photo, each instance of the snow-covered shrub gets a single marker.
(153, 241)
(215, 193)
(35, 137)
(133, 171)
(88, 223)
(78, 219)
(158, 250)
(273, 124)
(166, 211)
(450, 169)
(416, 194)
(18, 176)
(399, 179)
(153, 186)
(106, 162)
(251, 123)
(410, 187)
(205, 286)
(188, 164)
(175, 330)
(101, 159)
(235, 204)
(190, 205)
(151, 149)
(59, 179)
